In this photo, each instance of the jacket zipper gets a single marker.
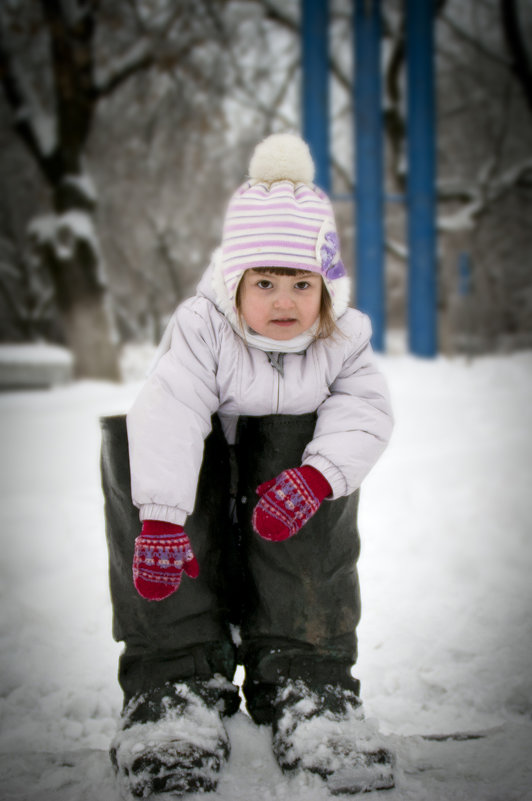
(277, 367)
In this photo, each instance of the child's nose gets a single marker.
(283, 300)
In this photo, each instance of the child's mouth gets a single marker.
(284, 322)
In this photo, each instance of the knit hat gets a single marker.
(279, 218)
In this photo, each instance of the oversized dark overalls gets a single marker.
(296, 602)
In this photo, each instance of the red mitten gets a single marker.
(162, 552)
(288, 501)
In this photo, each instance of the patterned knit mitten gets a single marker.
(162, 552)
(288, 501)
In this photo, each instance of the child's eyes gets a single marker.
(264, 283)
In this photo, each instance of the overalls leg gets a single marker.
(188, 634)
(302, 595)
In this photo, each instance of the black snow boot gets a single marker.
(172, 739)
(322, 730)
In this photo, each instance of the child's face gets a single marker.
(280, 306)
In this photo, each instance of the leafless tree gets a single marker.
(59, 60)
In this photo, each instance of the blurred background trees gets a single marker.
(126, 124)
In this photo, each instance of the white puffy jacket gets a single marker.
(209, 368)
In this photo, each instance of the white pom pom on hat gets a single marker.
(282, 157)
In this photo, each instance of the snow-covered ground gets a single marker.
(446, 567)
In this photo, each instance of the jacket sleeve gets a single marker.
(170, 419)
(355, 422)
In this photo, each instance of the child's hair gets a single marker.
(326, 325)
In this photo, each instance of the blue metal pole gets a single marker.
(369, 227)
(421, 149)
(315, 89)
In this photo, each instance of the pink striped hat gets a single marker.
(279, 218)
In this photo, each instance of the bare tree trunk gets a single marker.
(66, 243)
(90, 338)
(67, 247)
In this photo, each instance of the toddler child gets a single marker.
(246, 448)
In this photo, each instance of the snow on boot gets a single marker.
(172, 739)
(324, 731)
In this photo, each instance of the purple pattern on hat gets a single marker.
(330, 251)
(336, 271)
